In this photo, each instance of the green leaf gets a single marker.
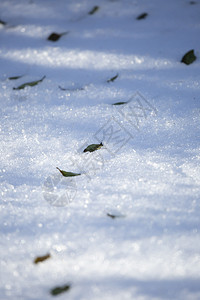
(15, 77)
(94, 10)
(113, 78)
(142, 16)
(93, 147)
(41, 258)
(32, 83)
(60, 289)
(68, 174)
(189, 57)
(56, 36)
(120, 103)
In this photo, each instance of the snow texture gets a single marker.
(147, 173)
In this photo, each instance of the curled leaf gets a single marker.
(93, 147)
(142, 16)
(32, 83)
(60, 289)
(189, 57)
(68, 174)
(93, 10)
(56, 36)
(113, 78)
(41, 258)
(120, 103)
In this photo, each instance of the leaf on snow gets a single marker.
(41, 258)
(56, 36)
(142, 16)
(94, 10)
(2, 22)
(114, 216)
(71, 89)
(113, 78)
(189, 57)
(93, 147)
(60, 289)
(68, 174)
(32, 83)
(15, 77)
(120, 103)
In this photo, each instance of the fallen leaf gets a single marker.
(94, 10)
(93, 147)
(15, 77)
(142, 16)
(60, 289)
(70, 89)
(120, 103)
(56, 36)
(2, 22)
(33, 83)
(68, 174)
(114, 216)
(41, 258)
(189, 57)
(113, 78)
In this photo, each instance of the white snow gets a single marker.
(147, 173)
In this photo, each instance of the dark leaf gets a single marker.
(68, 174)
(15, 77)
(41, 258)
(189, 57)
(113, 78)
(2, 22)
(120, 103)
(114, 216)
(56, 36)
(60, 289)
(93, 147)
(94, 10)
(33, 83)
(142, 16)
(70, 89)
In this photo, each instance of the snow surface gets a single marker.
(147, 175)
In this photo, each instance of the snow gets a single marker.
(147, 173)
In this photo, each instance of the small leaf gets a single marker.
(70, 89)
(56, 36)
(93, 147)
(15, 77)
(2, 22)
(94, 10)
(189, 57)
(33, 83)
(60, 289)
(120, 103)
(68, 174)
(41, 258)
(113, 78)
(114, 216)
(142, 16)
